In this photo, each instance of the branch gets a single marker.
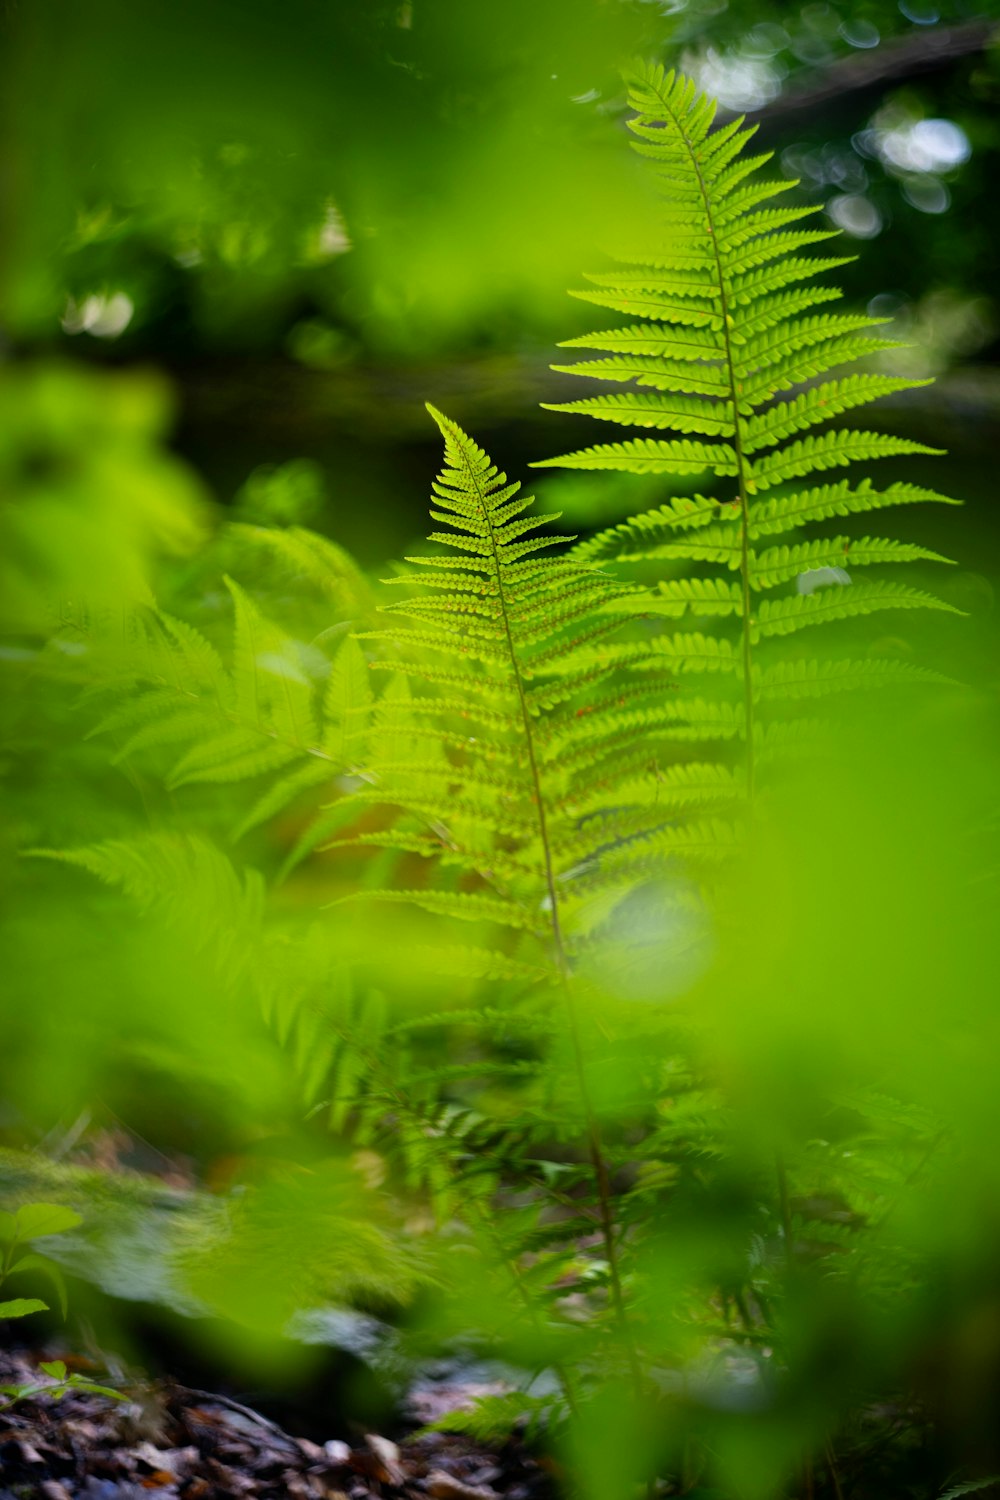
(927, 51)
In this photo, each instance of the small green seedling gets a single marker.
(18, 1231)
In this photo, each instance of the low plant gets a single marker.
(18, 1233)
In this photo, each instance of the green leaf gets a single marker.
(45, 1267)
(20, 1307)
(81, 1383)
(841, 602)
(37, 1219)
(831, 450)
(649, 456)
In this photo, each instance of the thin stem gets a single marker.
(379, 1070)
(742, 475)
(786, 1213)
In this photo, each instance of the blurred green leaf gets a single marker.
(34, 1220)
(20, 1307)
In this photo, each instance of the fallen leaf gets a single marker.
(442, 1486)
(387, 1455)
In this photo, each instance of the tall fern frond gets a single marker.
(724, 331)
(506, 653)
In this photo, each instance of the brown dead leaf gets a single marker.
(388, 1468)
(442, 1486)
(51, 1489)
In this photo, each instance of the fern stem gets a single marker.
(598, 1161)
(831, 1464)
(379, 1070)
(785, 1206)
(514, 1272)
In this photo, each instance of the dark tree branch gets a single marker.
(928, 51)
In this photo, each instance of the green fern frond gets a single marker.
(630, 539)
(493, 1418)
(697, 596)
(820, 404)
(281, 794)
(483, 963)
(268, 711)
(836, 602)
(833, 450)
(708, 419)
(811, 678)
(313, 559)
(186, 879)
(725, 325)
(786, 512)
(777, 565)
(648, 456)
(467, 906)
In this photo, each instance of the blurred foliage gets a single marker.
(794, 1081)
(88, 493)
(246, 179)
(314, 217)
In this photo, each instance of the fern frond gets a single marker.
(314, 559)
(791, 680)
(639, 338)
(687, 783)
(483, 963)
(777, 565)
(820, 404)
(630, 538)
(648, 456)
(187, 880)
(786, 512)
(835, 602)
(507, 818)
(709, 420)
(658, 371)
(678, 652)
(724, 324)
(281, 793)
(699, 596)
(236, 756)
(709, 839)
(467, 906)
(267, 711)
(492, 1419)
(832, 450)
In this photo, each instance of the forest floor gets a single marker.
(173, 1443)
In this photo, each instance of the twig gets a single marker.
(243, 1411)
(922, 52)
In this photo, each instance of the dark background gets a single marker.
(315, 216)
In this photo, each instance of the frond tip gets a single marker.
(485, 764)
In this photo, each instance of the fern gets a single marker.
(190, 883)
(731, 341)
(498, 804)
(507, 807)
(491, 1419)
(280, 710)
(519, 751)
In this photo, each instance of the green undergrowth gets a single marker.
(575, 949)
